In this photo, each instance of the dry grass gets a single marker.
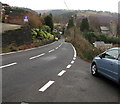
(84, 49)
(34, 20)
(11, 48)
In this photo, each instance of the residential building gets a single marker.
(104, 29)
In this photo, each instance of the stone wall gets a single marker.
(17, 37)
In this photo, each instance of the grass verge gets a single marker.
(84, 49)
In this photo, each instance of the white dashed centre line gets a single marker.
(74, 58)
(8, 65)
(68, 66)
(37, 56)
(72, 62)
(52, 50)
(46, 86)
(56, 47)
(61, 73)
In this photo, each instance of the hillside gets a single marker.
(60, 15)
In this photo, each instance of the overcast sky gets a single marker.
(104, 5)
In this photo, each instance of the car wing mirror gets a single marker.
(102, 55)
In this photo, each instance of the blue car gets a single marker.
(107, 64)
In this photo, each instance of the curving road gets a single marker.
(52, 73)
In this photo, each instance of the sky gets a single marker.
(99, 5)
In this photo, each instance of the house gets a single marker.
(102, 45)
(3, 10)
(104, 29)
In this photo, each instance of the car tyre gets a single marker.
(94, 70)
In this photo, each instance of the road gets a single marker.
(53, 73)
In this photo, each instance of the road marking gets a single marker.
(56, 47)
(74, 58)
(8, 65)
(68, 66)
(72, 62)
(46, 86)
(61, 73)
(7, 53)
(74, 51)
(61, 44)
(27, 49)
(37, 56)
(52, 50)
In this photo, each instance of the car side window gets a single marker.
(112, 54)
(119, 57)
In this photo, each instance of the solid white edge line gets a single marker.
(8, 65)
(61, 73)
(74, 51)
(68, 66)
(37, 56)
(72, 62)
(26, 49)
(46, 86)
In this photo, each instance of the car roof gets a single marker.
(118, 48)
(115, 48)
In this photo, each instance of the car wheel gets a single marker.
(94, 70)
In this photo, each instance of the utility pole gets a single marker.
(75, 17)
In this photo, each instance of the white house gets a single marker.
(104, 30)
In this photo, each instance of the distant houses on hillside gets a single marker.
(104, 29)
(102, 45)
(10, 15)
(13, 15)
(111, 29)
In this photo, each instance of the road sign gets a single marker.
(25, 18)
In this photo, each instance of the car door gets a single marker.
(109, 64)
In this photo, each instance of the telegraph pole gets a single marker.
(75, 17)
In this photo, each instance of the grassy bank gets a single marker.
(84, 49)
(12, 47)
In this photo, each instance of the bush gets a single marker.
(42, 34)
(92, 37)
(84, 49)
(46, 28)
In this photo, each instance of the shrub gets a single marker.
(84, 49)
(92, 37)
(42, 33)
(46, 28)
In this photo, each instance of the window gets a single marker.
(112, 54)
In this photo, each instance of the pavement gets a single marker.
(5, 26)
(53, 73)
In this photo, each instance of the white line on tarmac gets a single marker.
(26, 49)
(74, 51)
(74, 58)
(56, 47)
(68, 66)
(61, 73)
(46, 86)
(52, 50)
(37, 56)
(8, 65)
(72, 62)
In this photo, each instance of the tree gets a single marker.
(49, 21)
(84, 26)
(70, 23)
